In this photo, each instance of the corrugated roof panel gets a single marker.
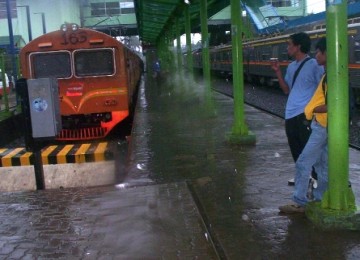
(156, 16)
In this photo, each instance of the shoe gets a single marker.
(291, 182)
(313, 182)
(292, 208)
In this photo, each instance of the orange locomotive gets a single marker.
(97, 77)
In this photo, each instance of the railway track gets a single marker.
(272, 100)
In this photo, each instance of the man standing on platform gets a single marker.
(315, 152)
(300, 82)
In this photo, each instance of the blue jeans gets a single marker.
(315, 154)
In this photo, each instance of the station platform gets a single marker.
(184, 192)
(63, 166)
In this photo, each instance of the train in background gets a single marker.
(97, 78)
(257, 54)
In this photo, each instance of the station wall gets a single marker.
(57, 12)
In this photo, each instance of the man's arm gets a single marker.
(320, 109)
(276, 68)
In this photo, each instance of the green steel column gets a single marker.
(240, 132)
(188, 39)
(338, 107)
(161, 50)
(337, 209)
(169, 53)
(205, 45)
(178, 45)
(164, 53)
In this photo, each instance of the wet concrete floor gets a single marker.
(184, 193)
(239, 187)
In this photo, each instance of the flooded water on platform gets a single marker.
(183, 189)
(238, 188)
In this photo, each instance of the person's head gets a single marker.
(320, 48)
(298, 43)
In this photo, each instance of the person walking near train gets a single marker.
(157, 75)
(300, 82)
(157, 69)
(315, 152)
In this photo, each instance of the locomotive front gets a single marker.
(91, 70)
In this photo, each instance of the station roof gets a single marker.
(156, 17)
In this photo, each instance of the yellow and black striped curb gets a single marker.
(58, 154)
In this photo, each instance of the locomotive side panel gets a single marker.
(134, 69)
(197, 59)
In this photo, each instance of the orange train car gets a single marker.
(97, 78)
(258, 52)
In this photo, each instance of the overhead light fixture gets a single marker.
(74, 27)
(69, 26)
(187, 2)
(63, 27)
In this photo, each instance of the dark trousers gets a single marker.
(298, 132)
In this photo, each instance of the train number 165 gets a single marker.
(74, 38)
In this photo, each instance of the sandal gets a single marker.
(292, 208)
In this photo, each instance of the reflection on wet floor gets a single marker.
(143, 222)
(239, 187)
(179, 165)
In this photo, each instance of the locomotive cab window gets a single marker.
(284, 56)
(229, 56)
(356, 50)
(357, 56)
(94, 62)
(265, 56)
(51, 64)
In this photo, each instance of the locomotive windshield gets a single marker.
(94, 62)
(51, 65)
(57, 64)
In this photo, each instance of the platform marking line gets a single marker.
(52, 157)
(25, 158)
(81, 152)
(6, 160)
(3, 152)
(99, 154)
(70, 158)
(55, 154)
(61, 156)
(89, 156)
(46, 152)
